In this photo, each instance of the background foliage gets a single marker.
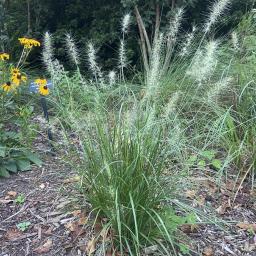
(97, 20)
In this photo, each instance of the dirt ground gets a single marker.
(59, 221)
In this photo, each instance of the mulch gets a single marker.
(61, 222)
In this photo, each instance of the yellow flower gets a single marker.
(17, 77)
(28, 43)
(4, 56)
(43, 88)
(7, 87)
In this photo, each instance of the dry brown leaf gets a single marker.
(82, 220)
(71, 226)
(48, 231)
(45, 247)
(12, 193)
(72, 180)
(13, 234)
(190, 194)
(223, 208)
(247, 226)
(91, 246)
(189, 228)
(76, 213)
(208, 251)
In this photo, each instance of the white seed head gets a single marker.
(235, 40)
(72, 49)
(216, 11)
(187, 43)
(155, 66)
(126, 22)
(122, 55)
(175, 24)
(48, 52)
(204, 62)
(92, 59)
(172, 104)
(218, 88)
(112, 77)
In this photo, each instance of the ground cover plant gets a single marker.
(138, 143)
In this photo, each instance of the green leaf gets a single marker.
(216, 163)
(23, 226)
(192, 160)
(208, 154)
(201, 163)
(34, 158)
(11, 166)
(2, 151)
(23, 165)
(4, 172)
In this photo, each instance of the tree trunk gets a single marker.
(140, 21)
(157, 25)
(173, 4)
(29, 18)
(143, 43)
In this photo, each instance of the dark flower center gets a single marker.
(45, 87)
(8, 83)
(19, 77)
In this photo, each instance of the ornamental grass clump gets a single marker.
(123, 174)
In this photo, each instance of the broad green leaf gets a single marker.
(192, 160)
(208, 154)
(34, 158)
(4, 172)
(201, 163)
(216, 163)
(11, 166)
(2, 151)
(23, 165)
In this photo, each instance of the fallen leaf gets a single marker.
(208, 251)
(71, 226)
(247, 226)
(12, 193)
(82, 220)
(91, 246)
(48, 231)
(71, 180)
(76, 213)
(190, 194)
(45, 247)
(13, 234)
(189, 228)
(223, 208)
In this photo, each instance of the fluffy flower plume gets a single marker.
(48, 52)
(126, 22)
(92, 59)
(204, 62)
(112, 77)
(217, 9)
(175, 24)
(122, 55)
(218, 88)
(187, 43)
(72, 49)
(155, 67)
(235, 41)
(172, 104)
